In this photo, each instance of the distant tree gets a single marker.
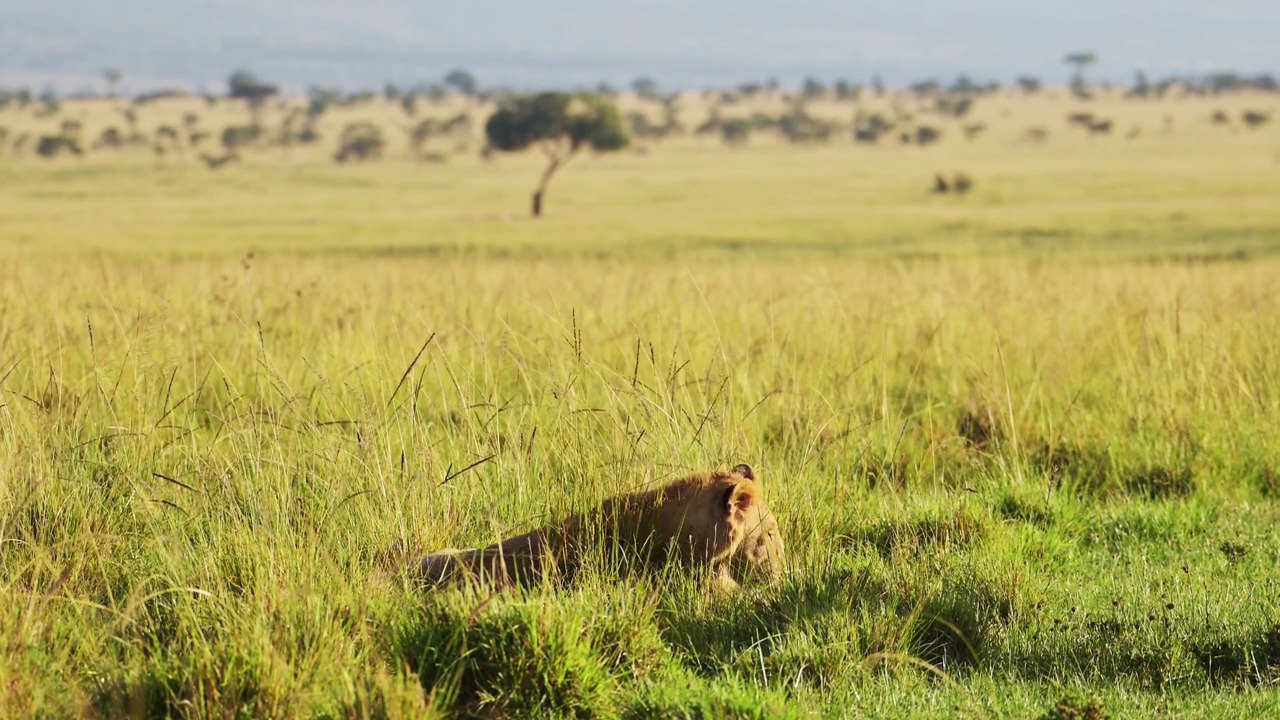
(926, 135)
(1080, 61)
(320, 99)
(641, 126)
(798, 126)
(430, 128)
(869, 128)
(460, 123)
(559, 125)
(236, 137)
(131, 118)
(462, 81)
(113, 78)
(244, 85)
(645, 87)
(925, 88)
(736, 131)
(711, 124)
(49, 104)
(954, 105)
(166, 139)
(360, 141)
(1141, 86)
(965, 85)
(421, 134)
(51, 145)
(846, 91)
(762, 121)
(308, 134)
(156, 95)
(812, 88)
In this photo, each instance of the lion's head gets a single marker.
(724, 525)
(761, 553)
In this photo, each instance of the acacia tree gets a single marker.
(1080, 61)
(558, 124)
(244, 84)
(113, 77)
(462, 81)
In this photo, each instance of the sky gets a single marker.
(682, 44)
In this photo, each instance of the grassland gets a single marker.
(1022, 443)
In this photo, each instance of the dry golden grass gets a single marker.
(1198, 189)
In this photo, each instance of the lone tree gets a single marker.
(462, 81)
(558, 124)
(245, 85)
(645, 87)
(1080, 61)
(113, 77)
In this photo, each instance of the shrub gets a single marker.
(359, 141)
(237, 137)
(1255, 119)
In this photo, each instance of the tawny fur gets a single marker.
(717, 524)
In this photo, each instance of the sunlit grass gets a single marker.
(1021, 443)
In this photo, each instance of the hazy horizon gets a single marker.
(567, 43)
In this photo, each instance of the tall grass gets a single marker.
(1060, 478)
(1021, 445)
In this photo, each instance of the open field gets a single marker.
(1022, 443)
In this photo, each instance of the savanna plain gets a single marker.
(1021, 442)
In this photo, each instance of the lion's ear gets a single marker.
(738, 498)
(745, 471)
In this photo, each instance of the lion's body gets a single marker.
(715, 523)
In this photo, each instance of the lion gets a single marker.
(715, 523)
